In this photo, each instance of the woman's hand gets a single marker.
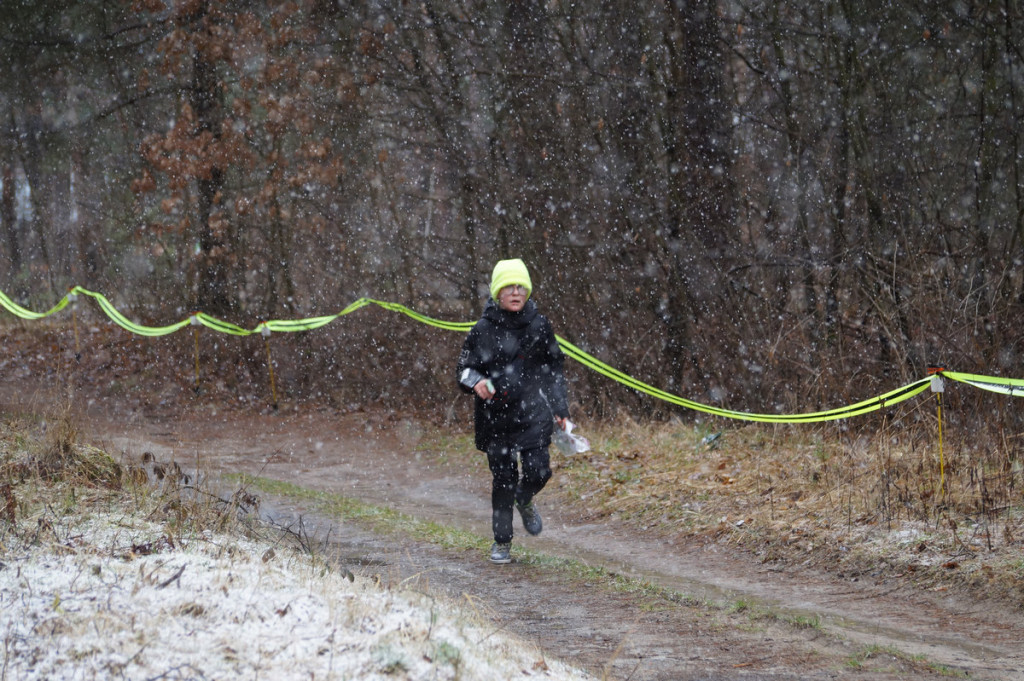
(560, 420)
(483, 390)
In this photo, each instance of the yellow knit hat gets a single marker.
(509, 272)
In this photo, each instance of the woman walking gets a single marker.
(511, 362)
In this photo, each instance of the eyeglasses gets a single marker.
(514, 288)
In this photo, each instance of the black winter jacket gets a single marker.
(519, 353)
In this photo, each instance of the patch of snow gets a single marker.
(84, 605)
(906, 536)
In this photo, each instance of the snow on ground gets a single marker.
(106, 595)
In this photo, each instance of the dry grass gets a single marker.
(883, 503)
(47, 470)
(49, 448)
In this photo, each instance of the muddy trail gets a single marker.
(818, 626)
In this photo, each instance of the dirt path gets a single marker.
(860, 622)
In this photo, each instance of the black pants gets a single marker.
(508, 489)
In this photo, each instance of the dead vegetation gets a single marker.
(49, 449)
(863, 505)
(46, 469)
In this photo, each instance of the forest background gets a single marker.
(765, 205)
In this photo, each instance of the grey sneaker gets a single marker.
(531, 518)
(501, 553)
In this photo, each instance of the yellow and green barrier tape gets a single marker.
(25, 313)
(888, 399)
(1006, 386)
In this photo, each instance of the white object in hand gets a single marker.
(569, 443)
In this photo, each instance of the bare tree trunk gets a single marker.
(279, 279)
(214, 294)
(845, 55)
(1011, 54)
(796, 161)
(700, 195)
(9, 217)
(32, 161)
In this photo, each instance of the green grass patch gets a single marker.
(378, 518)
(901, 661)
(812, 622)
